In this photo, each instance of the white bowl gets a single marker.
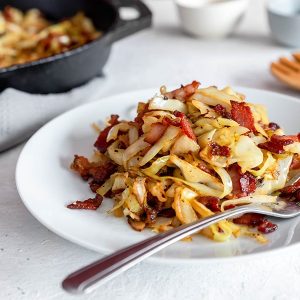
(210, 18)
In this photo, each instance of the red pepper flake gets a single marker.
(241, 113)
(216, 149)
(181, 122)
(277, 142)
(243, 183)
(101, 144)
(221, 110)
(89, 204)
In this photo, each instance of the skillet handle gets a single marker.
(124, 28)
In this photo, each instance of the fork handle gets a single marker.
(99, 272)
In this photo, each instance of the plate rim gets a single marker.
(153, 259)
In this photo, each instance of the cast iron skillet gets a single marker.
(67, 70)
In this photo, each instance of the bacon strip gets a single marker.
(184, 92)
(216, 149)
(181, 122)
(101, 144)
(156, 132)
(277, 142)
(89, 204)
(253, 220)
(295, 162)
(243, 183)
(241, 113)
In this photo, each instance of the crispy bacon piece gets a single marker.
(99, 172)
(184, 92)
(102, 172)
(81, 165)
(94, 186)
(216, 149)
(253, 220)
(181, 122)
(243, 183)
(291, 189)
(221, 110)
(273, 126)
(89, 204)
(295, 162)
(267, 227)
(241, 113)
(167, 213)
(250, 219)
(156, 132)
(101, 144)
(210, 202)
(277, 142)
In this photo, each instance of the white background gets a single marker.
(33, 260)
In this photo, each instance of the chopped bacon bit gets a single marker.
(181, 122)
(253, 219)
(273, 126)
(216, 149)
(101, 144)
(291, 189)
(267, 227)
(250, 219)
(241, 113)
(221, 110)
(184, 92)
(156, 132)
(297, 195)
(99, 172)
(102, 172)
(243, 183)
(295, 162)
(90, 204)
(81, 165)
(94, 186)
(277, 142)
(230, 206)
(167, 213)
(210, 202)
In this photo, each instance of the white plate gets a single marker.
(46, 184)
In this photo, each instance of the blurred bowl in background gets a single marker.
(284, 21)
(210, 18)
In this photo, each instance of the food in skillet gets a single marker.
(188, 154)
(28, 36)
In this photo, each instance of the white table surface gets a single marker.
(33, 260)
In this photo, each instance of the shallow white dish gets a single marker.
(46, 184)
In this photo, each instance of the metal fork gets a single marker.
(99, 272)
